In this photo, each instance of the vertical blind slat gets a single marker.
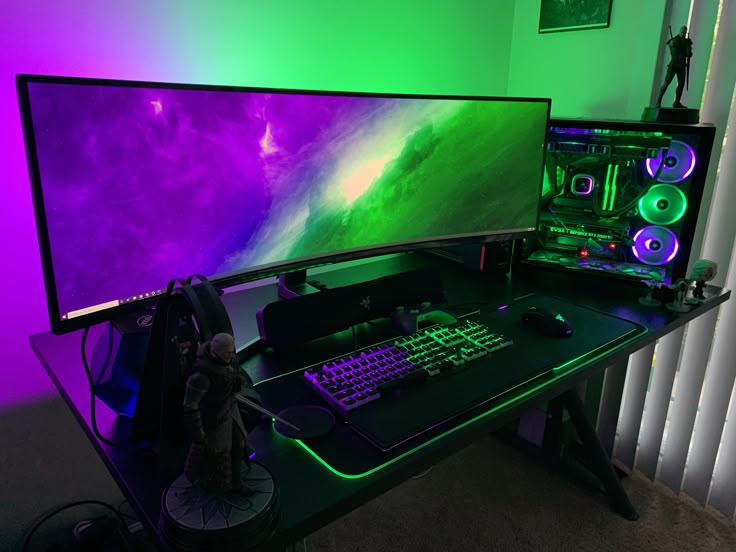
(658, 402)
(719, 380)
(635, 393)
(720, 225)
(723, 494)
(719, 247)
(610, 405)
(687, 395)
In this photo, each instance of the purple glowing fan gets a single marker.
(655, 245)
(678, 165)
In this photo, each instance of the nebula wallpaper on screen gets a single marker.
(141, 184)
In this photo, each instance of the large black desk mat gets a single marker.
(452, 401)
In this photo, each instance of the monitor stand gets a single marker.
(116, 362)
(294, 284)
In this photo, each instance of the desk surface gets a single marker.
(311, 495)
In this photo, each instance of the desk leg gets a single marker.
(600, 461)
(610, 405)
(553, 431)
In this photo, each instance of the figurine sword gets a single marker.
(255, 406)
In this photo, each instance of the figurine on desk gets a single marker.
(214, 420)
(702, 271)
(680, 288)
(223, 500)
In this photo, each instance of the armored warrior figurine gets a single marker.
(681, 50)
(214, 421)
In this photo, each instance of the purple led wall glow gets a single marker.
(646, 238)
(71, 37)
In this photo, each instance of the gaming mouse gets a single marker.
(546, 322)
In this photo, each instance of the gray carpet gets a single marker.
(489, 497)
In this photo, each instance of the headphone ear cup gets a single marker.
(198, 311)
(214, 309)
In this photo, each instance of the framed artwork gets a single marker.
(573, 15)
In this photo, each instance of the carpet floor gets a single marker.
(492, 497)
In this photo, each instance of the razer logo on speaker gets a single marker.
(366, 302)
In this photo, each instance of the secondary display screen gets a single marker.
(138, 183)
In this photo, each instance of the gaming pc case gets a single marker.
(620, 199)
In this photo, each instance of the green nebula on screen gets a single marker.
(477, 171)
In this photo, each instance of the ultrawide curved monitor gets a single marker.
(136, 183)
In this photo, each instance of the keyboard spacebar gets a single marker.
(416, 376)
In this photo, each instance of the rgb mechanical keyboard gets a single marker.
(351, 381)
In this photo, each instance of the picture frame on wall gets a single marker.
(574, 15)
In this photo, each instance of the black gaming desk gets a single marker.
(313, 495)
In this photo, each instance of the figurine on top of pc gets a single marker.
(214, 421)
(681, 50)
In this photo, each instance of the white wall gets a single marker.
(594, 73)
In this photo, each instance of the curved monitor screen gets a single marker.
(137, 183)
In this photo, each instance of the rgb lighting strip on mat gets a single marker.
(559, 373)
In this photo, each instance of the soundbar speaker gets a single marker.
(301, 319)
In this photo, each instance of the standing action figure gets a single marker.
(212, 416)
(681, 50)
(680, 288)
(702, 271)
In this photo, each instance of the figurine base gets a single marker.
(650, 301)
(193, 519)
(683, 115)
(678, 307)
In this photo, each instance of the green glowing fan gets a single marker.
(663, 204)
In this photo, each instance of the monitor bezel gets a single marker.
(61, 326)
